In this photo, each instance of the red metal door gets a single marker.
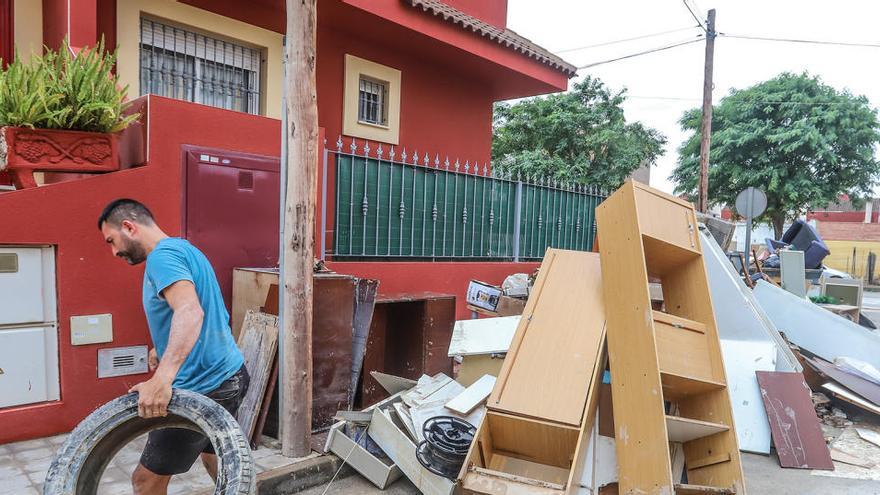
(231, 210)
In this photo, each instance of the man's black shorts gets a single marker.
(174, 450)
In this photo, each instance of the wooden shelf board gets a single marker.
(681, 489)
(662, 256)
(678, 386)
(686, 429)
(678, 321)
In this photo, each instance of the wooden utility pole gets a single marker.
(706, 127)
(299, 228)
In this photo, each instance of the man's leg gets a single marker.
(210, 462)
(146, 482)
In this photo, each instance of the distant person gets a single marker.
(193, 344)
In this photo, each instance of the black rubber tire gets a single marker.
(78, 467)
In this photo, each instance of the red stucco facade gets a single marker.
(451, 77)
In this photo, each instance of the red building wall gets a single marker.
(442, 110)
(91, 281)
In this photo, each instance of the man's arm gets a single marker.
(186, 324)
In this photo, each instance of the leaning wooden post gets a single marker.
(299, 227)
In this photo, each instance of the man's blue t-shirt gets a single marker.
(215, 356)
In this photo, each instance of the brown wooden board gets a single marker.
(547, 372)
(258, 342)
(334, 298)
(868, 390)
(793, 423)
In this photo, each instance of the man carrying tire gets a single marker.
(193, 345)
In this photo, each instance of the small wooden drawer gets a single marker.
(667, 218)
(520, 455)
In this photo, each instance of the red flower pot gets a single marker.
(24, 151)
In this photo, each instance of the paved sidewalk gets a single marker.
(23, 467)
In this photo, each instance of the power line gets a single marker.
(686, 4)
(653, 50)
(761, 102)
(795, 40)
(627, 39)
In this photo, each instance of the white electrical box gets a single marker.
(28, 365)
(28, 329)
(27, 285)
(91, 329)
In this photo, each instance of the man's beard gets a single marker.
(133, 253)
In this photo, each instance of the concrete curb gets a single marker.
(299, 476)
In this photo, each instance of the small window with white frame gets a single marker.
(186, 65)
(371, 101)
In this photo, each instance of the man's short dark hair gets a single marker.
(125, 209)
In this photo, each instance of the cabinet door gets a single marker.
(28, 366)
(549, 368)
(21, 285)
(667, 218)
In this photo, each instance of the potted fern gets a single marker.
(61, 112)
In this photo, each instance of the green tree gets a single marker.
(578, 137)
(801, 141)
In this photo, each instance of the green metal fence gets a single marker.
(401, 206)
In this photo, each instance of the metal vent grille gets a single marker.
(120, 361)
(8, 262)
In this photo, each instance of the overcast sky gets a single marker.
(663, 85)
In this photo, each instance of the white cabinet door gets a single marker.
(24, 286)
(28, 365)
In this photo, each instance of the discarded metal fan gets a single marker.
(447, 440)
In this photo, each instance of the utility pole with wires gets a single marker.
(706, 125)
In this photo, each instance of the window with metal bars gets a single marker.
(194, 67)
(373, 101)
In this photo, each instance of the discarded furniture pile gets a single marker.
(645, 368)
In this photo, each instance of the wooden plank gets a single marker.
(847, 396)
(678, 322)
(472, 396)
(847, 458)
(473, 367)
(683, 352)
(682, 489)
(482, 336)
(686, 429)
(528, 469)
(796, 432)
(678, 387)
(486, 481)
(393, 384)
(547, 371)
(867, 389)
(249, 289)
(258, 342)
(709, 461)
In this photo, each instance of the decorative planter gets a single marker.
(24, 151)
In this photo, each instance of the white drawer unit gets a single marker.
(28, 329)
(27, 285)
(28, 365)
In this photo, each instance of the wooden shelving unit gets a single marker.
(664, 359)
